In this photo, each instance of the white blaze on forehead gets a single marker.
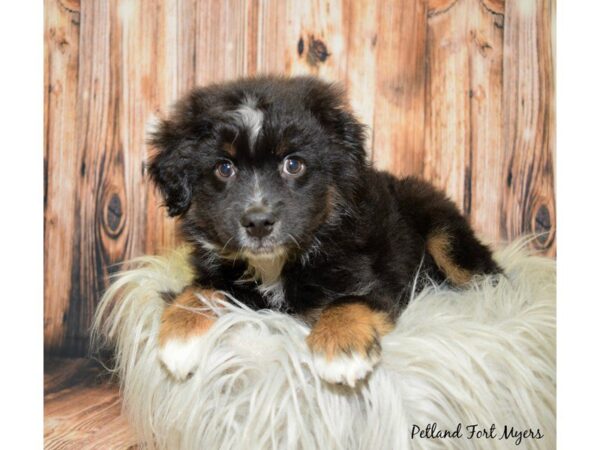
(257, 196)
(251, 118)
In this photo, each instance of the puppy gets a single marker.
(269, 179)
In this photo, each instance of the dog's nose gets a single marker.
(258, 223)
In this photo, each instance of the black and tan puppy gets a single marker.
(270, 181)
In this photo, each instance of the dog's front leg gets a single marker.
(182, 326)
(345, 340)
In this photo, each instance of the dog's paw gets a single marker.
(344, 368)
(180, 356)
(181, 329)
(345, 342)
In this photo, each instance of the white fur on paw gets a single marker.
(180, 356)
(343, 368)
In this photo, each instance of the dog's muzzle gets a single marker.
(258, 222)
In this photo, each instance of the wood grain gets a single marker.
(100, 232)
(174, 52)
(361, 22)
(61, 162)
(460, 92)
(271, 37)
(447, 124)
(317, 27)
(399, 123)
(82, 408)
(483, 169)
(529, 123)
(222, 40)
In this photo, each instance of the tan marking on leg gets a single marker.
(179, 322)
(351, 327)
(438, 245)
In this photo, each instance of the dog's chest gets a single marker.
(274, 293)
(267, 274)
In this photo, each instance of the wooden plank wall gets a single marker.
(458, 91)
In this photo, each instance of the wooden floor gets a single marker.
(82, 408)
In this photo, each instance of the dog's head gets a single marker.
(257, 166)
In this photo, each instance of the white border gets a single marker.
(578, 147)
(578, 191)
(21, 168)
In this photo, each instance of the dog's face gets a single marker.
(256, 167)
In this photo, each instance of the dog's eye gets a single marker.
(293, 166)
(225, 170)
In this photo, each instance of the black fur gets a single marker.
(348, 230)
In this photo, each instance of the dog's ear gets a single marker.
(170, 166)
(328, 102)
(167, 169)
(176, 140)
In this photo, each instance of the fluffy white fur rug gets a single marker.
(485, 356)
